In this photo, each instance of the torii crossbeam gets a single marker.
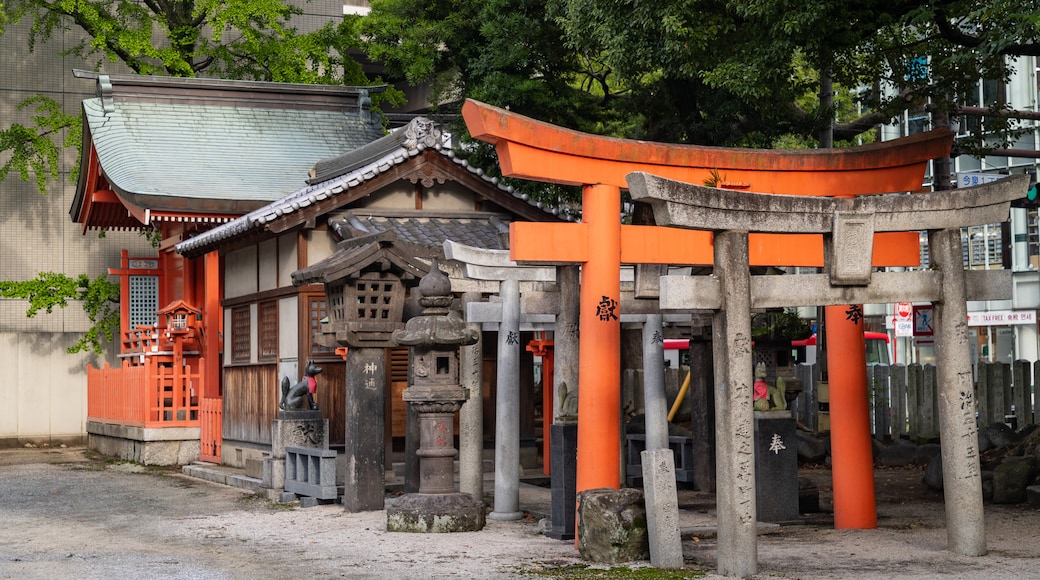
(539, 151)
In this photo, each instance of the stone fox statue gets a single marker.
(294, 396)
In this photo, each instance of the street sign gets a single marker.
(923, 320)
(904, 327)
(970, 178)
(904, 310)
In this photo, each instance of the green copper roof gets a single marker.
(167, 155)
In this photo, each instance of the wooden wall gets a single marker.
(251, 396)
(252, 393)
(332, 392)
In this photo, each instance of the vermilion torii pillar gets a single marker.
(539, 151)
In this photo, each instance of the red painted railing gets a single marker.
(160, 392)
(211, 419)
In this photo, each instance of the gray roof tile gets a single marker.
(342, 172)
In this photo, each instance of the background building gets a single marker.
(1004, 330)
(44, 394)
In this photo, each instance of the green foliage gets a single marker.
(781, 324)
(742, 63)
(49, 290)
(33, 150)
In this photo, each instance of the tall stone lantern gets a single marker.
(435, 394)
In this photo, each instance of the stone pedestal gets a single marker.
(292, 429)
(563, 451)
(776, 466)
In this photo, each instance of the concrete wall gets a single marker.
(44, 390)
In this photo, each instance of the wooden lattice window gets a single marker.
(317, 309)
(267, 331)
(378, 300)
(241, 334)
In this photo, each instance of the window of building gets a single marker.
(241, 334)
(267, 331)
(144, 299)
(983, 247)
(316, 310)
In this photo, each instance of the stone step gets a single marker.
(222, 475)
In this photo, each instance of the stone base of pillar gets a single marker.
(435, 513)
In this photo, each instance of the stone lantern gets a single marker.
(435, 394)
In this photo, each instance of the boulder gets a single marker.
(1033, 495)
(926, 452)
(933, 474)
(995, 436)
(898, 453)
(612, 525)
(810, 449)
(1011, 478)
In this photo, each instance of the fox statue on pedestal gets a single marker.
(294, 397)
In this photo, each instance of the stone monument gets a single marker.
(435, 394)
(299, 424)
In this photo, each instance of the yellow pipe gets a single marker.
(678, 399)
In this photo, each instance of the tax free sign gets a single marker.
(1001, 317)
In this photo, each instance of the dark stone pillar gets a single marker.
(702, 399)
(776, 467)
(364, 443)
(564, 452)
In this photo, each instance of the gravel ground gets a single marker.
(64, 514)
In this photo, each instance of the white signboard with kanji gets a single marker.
(1001, 317)
(970, 178)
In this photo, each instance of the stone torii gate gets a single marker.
(534, 150)
(848, 225)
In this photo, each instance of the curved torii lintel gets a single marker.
(536, 150)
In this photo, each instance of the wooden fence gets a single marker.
(150, 395)
(903, 398)
(211, 429)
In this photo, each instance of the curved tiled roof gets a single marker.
(338, 174)
(234, 153)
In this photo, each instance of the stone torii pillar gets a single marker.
(494, 266)
(849, 225)
(539, 151)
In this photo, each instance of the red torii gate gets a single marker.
(539, 151)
